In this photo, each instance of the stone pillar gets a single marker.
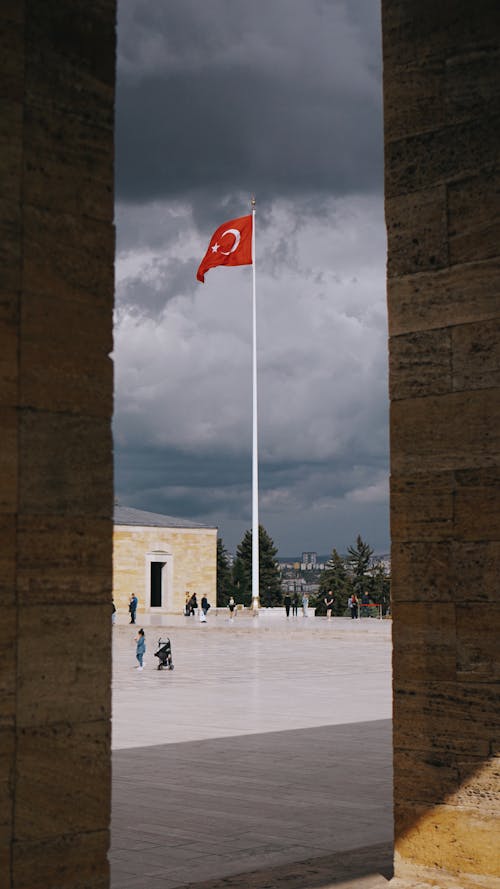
(442, 126)
(56, 499)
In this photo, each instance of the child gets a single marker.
(141, 648)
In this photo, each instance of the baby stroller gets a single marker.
(164, 654)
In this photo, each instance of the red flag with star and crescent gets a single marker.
(231, 244)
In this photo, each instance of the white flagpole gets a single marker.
(255, 461)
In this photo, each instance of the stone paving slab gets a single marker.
(251, 758)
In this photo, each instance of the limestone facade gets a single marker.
(160, 557)
(442, 126)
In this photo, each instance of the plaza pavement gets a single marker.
(262, 760)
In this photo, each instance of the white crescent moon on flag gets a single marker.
(237, 238)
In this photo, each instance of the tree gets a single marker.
(269, 575)
(334, 578)
(224, 578)
(381, 586)
(358, 559)
(242, 583)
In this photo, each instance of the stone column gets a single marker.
(442, 126)
(56, 296)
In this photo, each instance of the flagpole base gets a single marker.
(255, 606)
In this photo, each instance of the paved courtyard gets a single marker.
(263, 759)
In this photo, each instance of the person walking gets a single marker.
(329, 601)
(140, 650)
(305, 603)
(295, 605)
(231, 605)
(193, 604)
(287, 602)
(205, 605)
(133, 607)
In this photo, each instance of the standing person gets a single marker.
(305, 603)
(287, 603)
(353, 605)
(113, 612)
(295, 605)
(329, 601)
(205, 605)
(140, 650)
(193, 604)
(133, 607)
(231, 605)
(187, 604)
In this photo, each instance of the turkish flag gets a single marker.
(231, 244)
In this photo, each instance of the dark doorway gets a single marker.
(156, 575)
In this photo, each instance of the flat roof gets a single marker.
(125, 515)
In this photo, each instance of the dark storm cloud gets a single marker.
(230, 96)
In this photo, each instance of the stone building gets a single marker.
(442, 130)
(158, 558)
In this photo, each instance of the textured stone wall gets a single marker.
(442, 126)
(56, 502)
(193, 559)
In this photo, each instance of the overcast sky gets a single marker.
(218, 100)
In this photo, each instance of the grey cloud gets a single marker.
(220, 97)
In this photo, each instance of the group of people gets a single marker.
(191, 606)
(292, 602)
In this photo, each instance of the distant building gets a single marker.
(309, 559)
(159, 557)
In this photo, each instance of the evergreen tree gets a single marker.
(269, 575)
(359, 559)
(224, 578)
(242, 583)
(336, 579)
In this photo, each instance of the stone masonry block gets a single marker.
(68, 165)
(477, 505)
(66, 465)
(478, 649)
(8, 658)
(79, 36)
(429, 159)
(417, 232)
(448, 838)
(7, 769)
(424, 639)
(71, 861)
(420, 364)
(8, 363)
(8, 559)
(456, 431)
(444, 571)
(422, 506)
(11, 144)
(476, 571)
(63, 780)
(476, 356)
(420, 571)
(8, 460)
(456, 780)
(10, 259)
(64, 560)
(414, 98)
(473, 220)
(459, 295)
(455, 717)
(70, 257)
(63, 672)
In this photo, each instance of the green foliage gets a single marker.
(242, 583)
(336, 579)
(358, 561)
(224, 578)
(380, 586)
(269, 575)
